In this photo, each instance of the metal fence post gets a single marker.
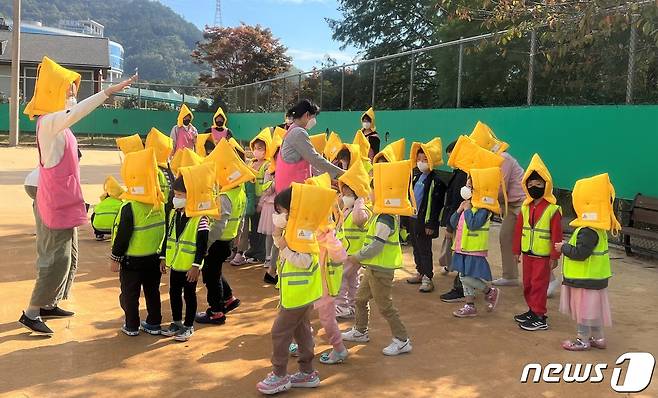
(531, 66)
(139, 96)
(411, 80)
(321, 87)
(283, 96)
(374, 82)
(631, 60)
(183, 98)
(246, 92)
(299, 88)
(256, 98)
(342, 87)
(460, 72)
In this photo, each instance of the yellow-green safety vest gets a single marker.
(261, 185)
(105, 212)
(238, 198)
(182, 250)
(596, 266)
(351, 236)
(476, 240)
(536, 239)
(164, 184)
(300, 287)
(148, 228)
(390, 257)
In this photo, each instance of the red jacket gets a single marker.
(535, 211)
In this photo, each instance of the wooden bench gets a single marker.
(643, 222)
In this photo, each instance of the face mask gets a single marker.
(536, 192)
(348, 201)
(344, 164)
(280, 220)
(219, 123)
(259, 154)
(71, 102)
(466, 192)
(365, 125)
(311, 123)
(179, 203)
(424, 167)
(186, 122)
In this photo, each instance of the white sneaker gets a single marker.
(238, 260)
(397, 347)
(355, 336)
(553, 286)
(505, 282)
(344, 312)
(426, 285)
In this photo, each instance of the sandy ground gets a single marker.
(478, 357)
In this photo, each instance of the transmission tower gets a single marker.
(218, 13)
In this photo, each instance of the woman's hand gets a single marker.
(114, 266)
(117, 88)
(193, 274)
(163, 267)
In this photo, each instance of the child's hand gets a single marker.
(193, 274)
(554, 264)
(429, 231)
(114, 266)
(163, 267)
(467, 205)
(558, 246)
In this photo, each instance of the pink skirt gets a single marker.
(587, 307)
(265, 224)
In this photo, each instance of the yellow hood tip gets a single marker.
(184, 111)
(162, 145)
(219, 112)
(311, 207)
(231, 171)
(486, 186)
(139, 172)
(537, 164)
(484, 136)
(51, 88)
(331, 149)
(184, 158)
(371, 114)
(358, 179)
(393, 152)
(467, 155)
(323, 180)
(363, 143)
(432, 149)
(129, 144)
(200, 145)
(319, 142)
(593, 200)
(112, 188)
(200, 186)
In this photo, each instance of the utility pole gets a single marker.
(218, 13)
(14, 126)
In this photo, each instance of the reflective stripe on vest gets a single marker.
(474, 240)
(596, 266)
(261, 185)
(164, 184)
(148, 229)
(390, 257)
(181, 251)
(334, 278)
(238, 199)
(537, 239)
(105, 213)
(297, 287)
(351, 236)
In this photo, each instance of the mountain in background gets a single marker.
(155, 38)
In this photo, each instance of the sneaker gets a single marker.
(172, 330)
(453, 296)
(575, 345)
(415, 280)
(397, 347)
(333, 357)
(184, 334)
(444, 270)
(274, 384)
(269, 279)
(553, 287)
(426, 285)
(492, 298)
(343, 312)
(598, 343)
(293, 350)
(150, 329)
(231, 304)
(210, 318)
(129, 332)
(535, 323)
(252, 260)
(305, 380)
(36, 326)
(355, 336)
(100, 237)
(238, 260)
(523, 317)
(55, 312)
(505, 282)
(468, 310)
(231, 256)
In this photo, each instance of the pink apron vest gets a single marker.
(287, 173)
(59, 195)
(184, 139)
(218, 134)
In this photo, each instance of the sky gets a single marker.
(299, 24)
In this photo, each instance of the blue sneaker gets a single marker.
(293, 349)
(153, 330)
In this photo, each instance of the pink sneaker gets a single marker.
(238, 260)
(468, 310)
(492, 298)
(305, 380)
(598, 343)
(274, 384)
(575, 345)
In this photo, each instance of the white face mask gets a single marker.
(179, 203)
(466, 192)
(310, 124)
(280, 220)
(366, 125)
(424, 167)
(259, 154)
(348, 201)
(71, 102)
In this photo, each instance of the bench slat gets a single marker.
(645, 216)
(639, 232)
(646, 202)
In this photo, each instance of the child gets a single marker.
(162, 145)
(265, 226)
(471, 224)
(241, 241)
(102, 219)
(381, 255)
(538, 229)
(586, 267)
(138, 233)
(260, 163)
(300, 210)
(183, 252)
(429, 192)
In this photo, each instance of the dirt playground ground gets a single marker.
(478, 357)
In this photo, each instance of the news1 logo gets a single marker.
(636, 377)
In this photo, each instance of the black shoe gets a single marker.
(231, 304)
(36, 326)
(535, 323)
(210, 318)
(453, 296)
(269, 279)
(55, 312)
(524, 317)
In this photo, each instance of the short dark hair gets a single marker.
(257, 140)
(419, 151)
(366, 118)
(179, 184)
(451, 146)
(344, 154)
(283, 199)
(302, 107)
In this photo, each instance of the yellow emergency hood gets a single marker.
(432, 150)
(323, 180)
(277, 140)
(536, 164)
(334, 144)
(485, 137)
(112, 188)
(51, 88)
(219, 112)
(486, 186)
(392, 187)
(393, 152)
(593, 200)
(184, 158)
(132, 143)
(139, 172)
(370, 113)
(358, 179)
(200, 186)
(467, 155)
(319, 142)
(230, 170)
(310, 208)
(355, 153)
(161, 144)
(363, 143)
(184, 111)
(266, 136)
(201, 140)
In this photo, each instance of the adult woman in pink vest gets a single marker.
(184, 133)
(60, 208)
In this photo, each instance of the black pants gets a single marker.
(217, 286)
(139, 273)
(179, 287)
(256, 240)
(457, 284)
(422, 245)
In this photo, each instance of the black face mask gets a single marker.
(536, 192)
(186, 122)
